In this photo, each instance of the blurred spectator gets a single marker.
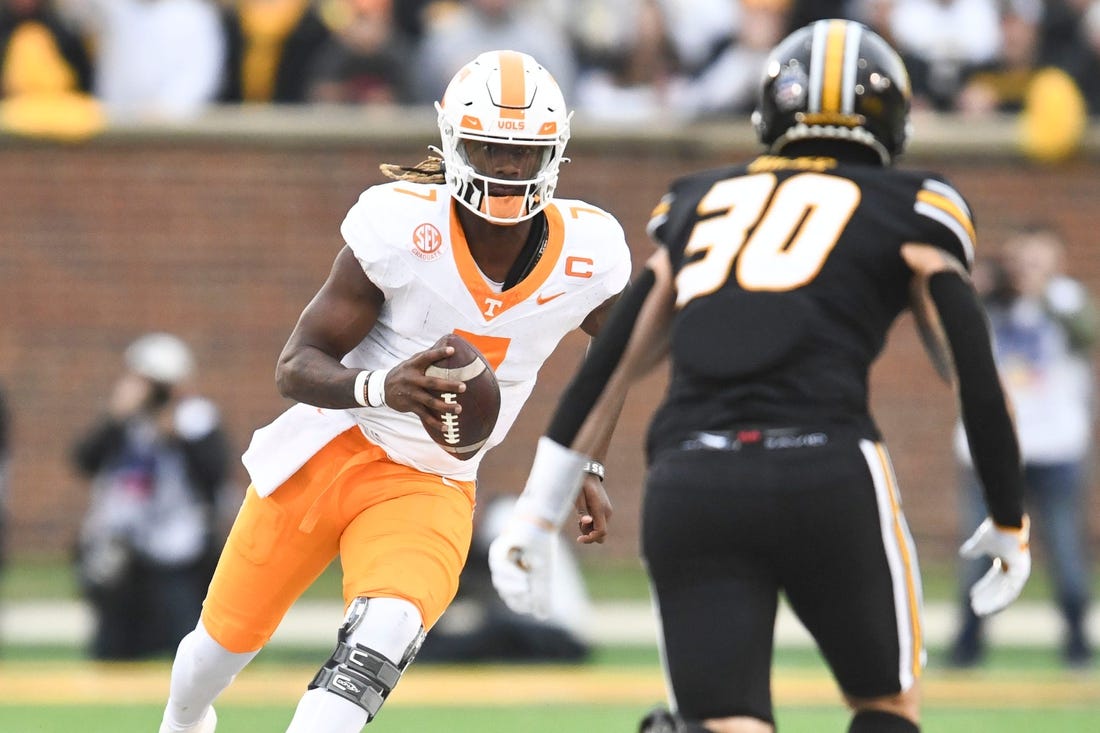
(270, 46)
(45, 73)
(877, 15)
(1060, 37)
(154, 59)
(410, 16)
(454, 33)
(699, 30)
(1002, 86)
(686, 58)
(40, 52)
(478, 627)
(942, 41)
(625, 59)
(804, 12)
(366, 59)
(1052, 108)
(727, 83)
(1085, 61)
(156, 462)
(1043, 327)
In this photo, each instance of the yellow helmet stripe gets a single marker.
(833, 71)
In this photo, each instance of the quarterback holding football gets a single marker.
(376, 462)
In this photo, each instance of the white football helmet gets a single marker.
(503, 126)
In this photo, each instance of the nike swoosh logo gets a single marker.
(544, 299)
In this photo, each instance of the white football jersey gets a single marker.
(411, 246)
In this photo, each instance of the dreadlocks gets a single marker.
(429, 170)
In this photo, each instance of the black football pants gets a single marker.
(815, 515)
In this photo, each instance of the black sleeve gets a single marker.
(989, 429)
(104, 440)
(604, 355)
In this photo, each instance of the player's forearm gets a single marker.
(310, 376)
(558, 470)
(985, 413)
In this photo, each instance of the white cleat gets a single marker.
(206, 725)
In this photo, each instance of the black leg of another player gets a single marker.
(879, 721)
(858, 570)
(716, 597)
(661, 720)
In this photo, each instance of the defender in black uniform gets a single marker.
(773, 290)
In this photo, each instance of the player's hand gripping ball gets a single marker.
(465, 432)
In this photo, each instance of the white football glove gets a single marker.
(1011, 565)
(521, 557)
(521, 564)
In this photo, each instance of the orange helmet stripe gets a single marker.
(513, 89)
(834, 66)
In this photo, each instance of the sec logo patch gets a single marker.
(427, 242)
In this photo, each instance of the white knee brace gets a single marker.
(377, 642)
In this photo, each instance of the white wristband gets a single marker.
(360, 392)
(556, 476)
(376, 388)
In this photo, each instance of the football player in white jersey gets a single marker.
(472, 243)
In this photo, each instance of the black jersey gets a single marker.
(788, 276)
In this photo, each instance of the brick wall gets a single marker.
(223, 238)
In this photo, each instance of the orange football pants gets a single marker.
(399, 533)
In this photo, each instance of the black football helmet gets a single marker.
(834, 79)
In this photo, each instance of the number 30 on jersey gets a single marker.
(795, 225)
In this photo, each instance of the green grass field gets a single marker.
(48, 689)
(1019, 691)
(529, 719)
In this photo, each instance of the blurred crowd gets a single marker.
(616, 59)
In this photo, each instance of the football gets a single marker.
(465, 433)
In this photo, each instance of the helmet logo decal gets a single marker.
(427, 242)
(790, 88)
(470, 123)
